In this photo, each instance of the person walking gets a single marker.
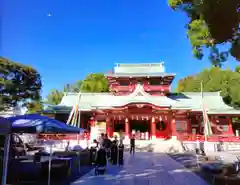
(115, 141)
(114, 152)
(120, 153)
(101, 139)
(107, 145)
(132, 144)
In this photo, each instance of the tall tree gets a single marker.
(95, 82)
(237, 69)
(212, 23)
(34, 107)
(54, 97)
(75, 87)
(214, 79)
(18, 84)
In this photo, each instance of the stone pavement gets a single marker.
(144, 169)
(226, 156)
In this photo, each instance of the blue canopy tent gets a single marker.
(35, 123)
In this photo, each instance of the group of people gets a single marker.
(111, 150)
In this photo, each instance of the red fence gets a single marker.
(214, 138)
(81, 136)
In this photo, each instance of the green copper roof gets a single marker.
(140, 74)
(191, 101)
(139, 70)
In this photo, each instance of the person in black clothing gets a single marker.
(115, 141)
(101, 161)
(132, 145)
(101, 157)
(107, 144)
(120, 153)
(114, 153)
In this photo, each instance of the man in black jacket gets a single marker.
(107, 145)
(132, 145)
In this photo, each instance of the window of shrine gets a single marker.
(181, 126)
(161, 126)
(225, 128)
(140, 82)
(124, 83)
(119, 125)
(155, 81)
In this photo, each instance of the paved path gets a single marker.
(144, 169)
(226, 156)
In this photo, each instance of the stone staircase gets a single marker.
(168, 146)
(157, 145)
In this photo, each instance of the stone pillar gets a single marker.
(126, 128)
(153, 128)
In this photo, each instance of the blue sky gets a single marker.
(86, 36)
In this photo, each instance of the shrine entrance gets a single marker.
(141, 128)
(162, 129)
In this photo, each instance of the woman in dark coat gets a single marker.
(114, 151)
(101, 157)
(120, 153)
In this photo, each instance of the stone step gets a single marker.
(157, 145)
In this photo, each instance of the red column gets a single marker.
(189, 126)
(173, 126)
(108, 127)
(230, 130)
(92, 122)
(213, 124)
(91, 125)
(126, 128)
(153, 128)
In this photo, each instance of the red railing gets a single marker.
(214, 138)
(156, 88)
(81, 136)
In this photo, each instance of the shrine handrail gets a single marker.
(63, 136)
(213, 138)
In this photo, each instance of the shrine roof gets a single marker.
(139, 70)
(187, 100)
(143, 74)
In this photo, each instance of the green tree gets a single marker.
(34, 107)
(212, 23)
(95, 82)
(18, 84)
(214, 79)
(237, 69)
(54, 97)
(75, 87)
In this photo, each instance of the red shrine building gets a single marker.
(140, 101)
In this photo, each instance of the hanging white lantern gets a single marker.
(160, 118)
(153, 119)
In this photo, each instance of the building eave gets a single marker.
(140, 75)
